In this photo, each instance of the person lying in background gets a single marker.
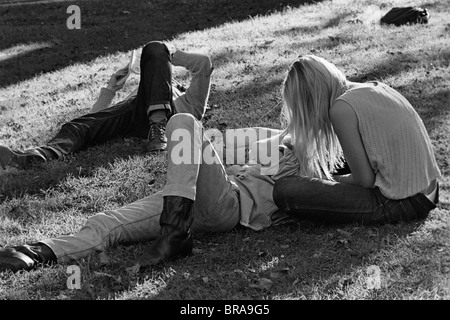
(143, 114)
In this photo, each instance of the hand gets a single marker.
(114, 84)
(287, 141)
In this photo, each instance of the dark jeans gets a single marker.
(329, 202)
(125, 119)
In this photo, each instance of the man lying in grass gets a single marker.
(201, 195)
(143, 114)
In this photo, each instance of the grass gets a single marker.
(51, 74)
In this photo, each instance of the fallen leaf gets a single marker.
(355, 21)
(265, 283)
(187, 275)
(262, 253)
(344, 233)
(343, 242)
(276, 274)
(372, 234)
(134, 269)
(197, 250)
(104, 259)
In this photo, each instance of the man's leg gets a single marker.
(135, 222)
(90, 129)
(194, 187)
(76, 135)
(154, 100)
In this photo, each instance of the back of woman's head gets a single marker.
(309, 90)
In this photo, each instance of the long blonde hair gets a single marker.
(309, 90)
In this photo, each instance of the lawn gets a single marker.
(50, 74)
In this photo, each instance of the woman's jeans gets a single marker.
(330, 202)
(216, 205)
(126, 119)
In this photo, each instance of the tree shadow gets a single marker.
(314, 28)
(34, 37)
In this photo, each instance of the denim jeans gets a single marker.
(330, 202)
(216, 205)
(125, 119)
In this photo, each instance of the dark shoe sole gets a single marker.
(157, 147)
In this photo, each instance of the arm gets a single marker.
(107, 94)
(252, 145)
(244, 137)
(345, 124)
(195, 99)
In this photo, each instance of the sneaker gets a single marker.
(157, 136)
(23, 159)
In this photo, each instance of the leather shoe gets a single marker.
(13, 260)
(20, 158)
(25, 257)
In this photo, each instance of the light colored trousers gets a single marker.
(216, 201)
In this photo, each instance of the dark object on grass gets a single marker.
(406, 15)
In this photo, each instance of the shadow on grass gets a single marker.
(38, 178)
(282, 262)
(34, 37)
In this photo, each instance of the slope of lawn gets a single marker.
(49, 75)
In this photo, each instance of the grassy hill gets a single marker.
(49, 74)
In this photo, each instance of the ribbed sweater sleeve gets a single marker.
(197, 63)
(194, 100)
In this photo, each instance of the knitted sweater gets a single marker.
(395, 139)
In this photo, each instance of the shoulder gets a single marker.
(342, 112)
(344, 120)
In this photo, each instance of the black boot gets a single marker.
(175, 240)
(25, 257)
